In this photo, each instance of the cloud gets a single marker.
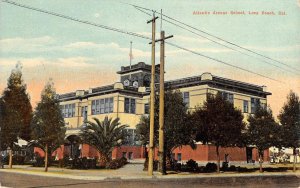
(97, 15)
(35, 62)
(26, 44)
(91, 45)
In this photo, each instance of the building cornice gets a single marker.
(205, 79)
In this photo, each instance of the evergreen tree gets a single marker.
(17, 111)
(48, 126)
(290, 119)
(177, 130)
(263, 132)
(218, 123)
(1, 123)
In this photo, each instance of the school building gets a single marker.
(128, 99)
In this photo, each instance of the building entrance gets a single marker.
(249, 154)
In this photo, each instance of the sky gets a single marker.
(80, 56)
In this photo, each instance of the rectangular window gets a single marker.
(245, 106)
(186, 99)
(130, 155)
(132, 106)
(225, 95)
(84, 113)
(102, 105)
(147, 108)
(62, 109)
(73, 110)
(66, 111)
(70, 111)
(124, 154)
(111, 105)
(131, 138)
(106, 106)
(254, 104)
(97, 106)
(178, 156)
(93, 107)
(127, 105)
(230, 98)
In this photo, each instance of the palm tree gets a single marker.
(104, 136)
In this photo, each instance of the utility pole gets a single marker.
(152, 100)
(161, 152)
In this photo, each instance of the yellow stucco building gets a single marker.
(128, 99)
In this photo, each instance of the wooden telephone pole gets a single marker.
(152, 100)
(161, 152)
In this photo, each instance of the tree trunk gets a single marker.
(10, 158)
(218, 158)
(260, 162)
(46, 158)
(103, 160)
(294, 163)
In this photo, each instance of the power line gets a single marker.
(220, 61)
(76, 20)
(231, 43)
(219, 42)
(133, 34)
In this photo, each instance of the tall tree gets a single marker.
(263, 131)
(177, 130)
(290, 119)
(218, 123)
(1, 122)
(17, 110)
(104, 136)
(48, 126)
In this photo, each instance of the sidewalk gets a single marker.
(132, 171)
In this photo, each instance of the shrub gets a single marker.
(5, 159)
(210, 167)
(192, 165)
(65, 162)
(224, 166)
(244, 169)
(39, 161)
(28, 160)
(170, 164)
(201, 168)
(117, 163)
(177, 167)
(16, 160)
(80, 163)
(232, 168)
(155, 165)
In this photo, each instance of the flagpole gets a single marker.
(130, 57)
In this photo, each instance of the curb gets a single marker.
(157, 177)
